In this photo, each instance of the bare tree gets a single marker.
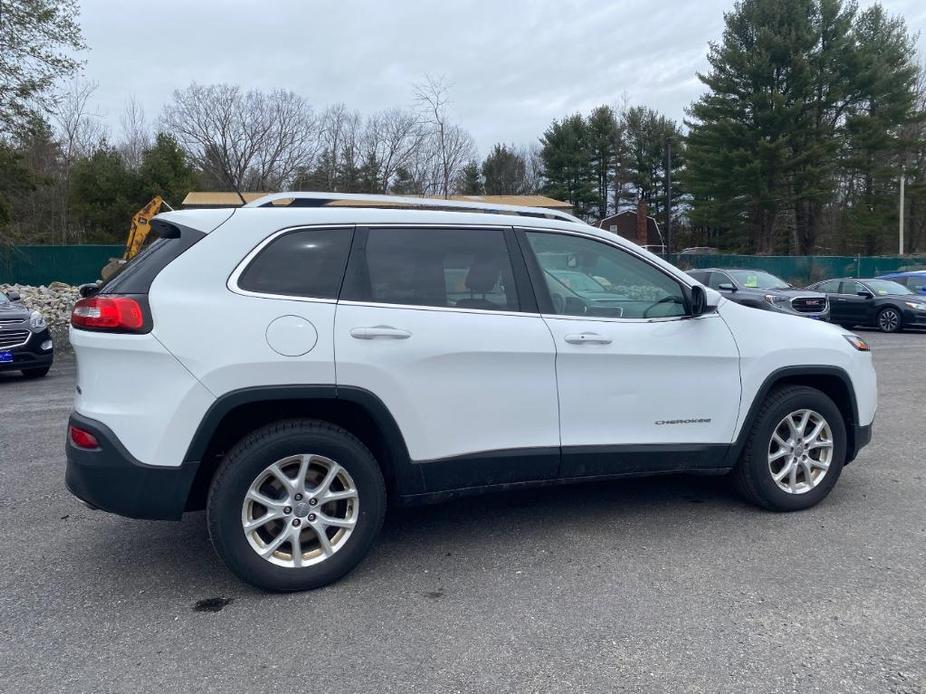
(391, 139)
(254, 139)
(78, 129)
(136, 136)
(452, 146)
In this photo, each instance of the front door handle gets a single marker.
(587, 339)
(386, 331)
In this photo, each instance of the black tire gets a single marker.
(249, 458)
(36, 373)
(752, 475)
(889, 320)
(848, 326)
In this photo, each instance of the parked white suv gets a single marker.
(292, 364)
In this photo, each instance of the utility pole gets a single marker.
(900, 216)
(669, 195)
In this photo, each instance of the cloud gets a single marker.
(514, 66)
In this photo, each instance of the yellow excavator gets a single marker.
(138, 233)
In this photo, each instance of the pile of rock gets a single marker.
(54, 302)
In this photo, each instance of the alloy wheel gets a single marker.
(889, 320)
(300, 510)
(800, 451)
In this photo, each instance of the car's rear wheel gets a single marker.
(296, 505)
(889, 320)
(795, 451)
(36, 373)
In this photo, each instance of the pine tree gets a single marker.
(505, 172)
(566, 157)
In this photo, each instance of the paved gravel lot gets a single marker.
(668, 584)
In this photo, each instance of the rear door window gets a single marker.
(305, 263)
(440, 267)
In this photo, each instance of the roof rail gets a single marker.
(303, 199)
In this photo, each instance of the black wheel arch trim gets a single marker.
(408, 476)
(855, 442)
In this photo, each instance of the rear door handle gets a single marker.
(587, 339)
(376, 331)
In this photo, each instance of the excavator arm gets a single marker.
(138, 233)
(141, 227)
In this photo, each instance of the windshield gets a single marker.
(754, 279)
(885, 287)
(578, 281)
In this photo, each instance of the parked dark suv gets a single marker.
(25, 344)
(763, 290)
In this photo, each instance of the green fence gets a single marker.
(78, 264)
(37, 265)
(802, 270)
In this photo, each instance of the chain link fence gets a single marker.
(803, 270)
(38, 265)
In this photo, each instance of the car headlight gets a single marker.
(37, 321)
(915, 305)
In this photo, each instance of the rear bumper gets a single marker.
(109, 478)
(30, 355)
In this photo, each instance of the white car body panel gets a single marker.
(463, 382)
(133, 385)
(648, 384)
(770, 341)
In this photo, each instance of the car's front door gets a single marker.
(441, 325)
(831, 289)
(854, 309)
(642, 385)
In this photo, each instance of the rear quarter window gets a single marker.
(305, 263)
(138, 274)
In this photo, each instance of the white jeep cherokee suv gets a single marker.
(292, 364)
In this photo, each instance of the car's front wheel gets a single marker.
(795, 450)
(296, 505)
(889, 320)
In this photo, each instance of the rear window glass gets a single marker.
(138, 274)
(307, 262)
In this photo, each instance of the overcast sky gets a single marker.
(513, 65)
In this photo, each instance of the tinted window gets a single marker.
(829, 287)
(718, 278)
(309, 262)
(452, 268)
(915, 282)
(699, 275)
(591, 278)
(136, 276)
(850, 287)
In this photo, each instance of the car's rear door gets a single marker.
(441, 325)
(643, 387)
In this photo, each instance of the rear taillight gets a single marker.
(110, 313)
(83, 439)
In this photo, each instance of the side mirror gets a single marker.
(865, 295)
(703, 300)
(726, 287)
(13, 296)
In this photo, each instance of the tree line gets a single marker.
(811, 112)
